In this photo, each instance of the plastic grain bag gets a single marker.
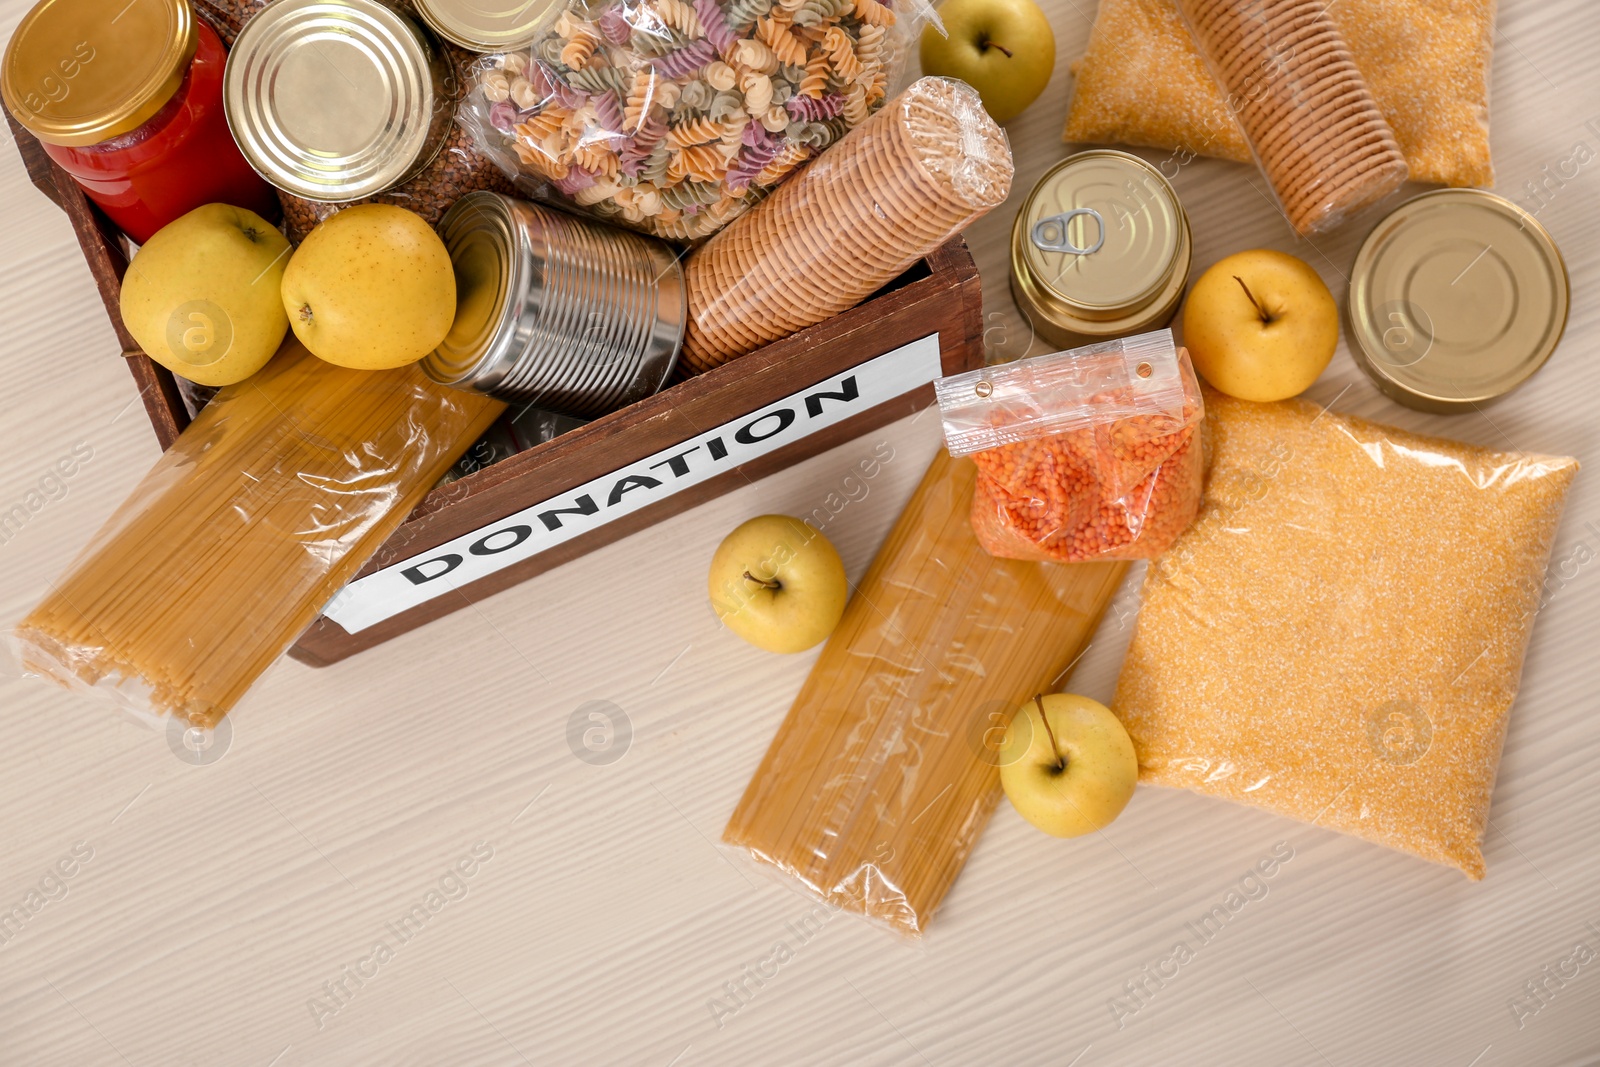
(886, 769)
(673, 116)
(267, 504)
(1093, 453)
(1142, 82)
(1339, 636)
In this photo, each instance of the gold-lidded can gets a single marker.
(77, 77)
(1457, 297)
(488, 25)
(1100, 249)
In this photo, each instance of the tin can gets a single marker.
(570, 316)
(336, 100)
(488, 25)
(1100, 249)
(1456, 298)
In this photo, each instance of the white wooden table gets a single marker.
(213, 910)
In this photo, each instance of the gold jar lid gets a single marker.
(78, 72)
(336, 100)
(487, 25)
(1100, 248)
(1457, 297)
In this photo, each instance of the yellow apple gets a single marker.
(201, 296)
(371, 288)
(1260, 325)
(1067, 765)
(778, 583)
(1005, 49)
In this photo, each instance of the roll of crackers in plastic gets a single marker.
(1312, 124)
(891, 191)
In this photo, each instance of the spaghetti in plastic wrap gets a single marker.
(886, 769)
(1339, 636)
(673, 116)
(271, 500)
(1093, 453)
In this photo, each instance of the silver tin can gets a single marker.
(336, 100)
(564, 314)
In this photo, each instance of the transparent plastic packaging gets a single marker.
(886, 769)
(894, 189)
(673, 116)
(1340, 635)
(1310, 120)
(1142, 82)
(267, 504)
(1093, 453)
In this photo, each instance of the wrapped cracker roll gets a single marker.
(890, 192)
(1312, 124)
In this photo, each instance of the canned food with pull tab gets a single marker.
(1100, 249)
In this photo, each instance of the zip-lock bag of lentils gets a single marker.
(1089, 454)
(673, 116)
(1339, 636)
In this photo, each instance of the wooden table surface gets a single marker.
(213, 910)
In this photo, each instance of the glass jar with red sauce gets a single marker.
(126, 96)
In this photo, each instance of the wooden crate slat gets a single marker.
(945, 299)
(947, 302)
(105, 251)
(38, 165)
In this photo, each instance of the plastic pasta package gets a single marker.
(885, 770)
(268, 503)
(673, 116)
(1094, 453)
(1142, 81)
(897, 187)
(1339, 636)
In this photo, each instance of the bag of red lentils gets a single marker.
(1090, 454)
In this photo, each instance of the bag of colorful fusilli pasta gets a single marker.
(673, 116)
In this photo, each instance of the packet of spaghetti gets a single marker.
(887, 767)
(1093, 453)
(278, 492)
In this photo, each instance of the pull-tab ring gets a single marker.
(1050, 234)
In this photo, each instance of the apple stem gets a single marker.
(1061, 764)
(986, 43)
(1266, 319)
(768, 583)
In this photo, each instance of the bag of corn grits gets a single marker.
(1089, 454)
